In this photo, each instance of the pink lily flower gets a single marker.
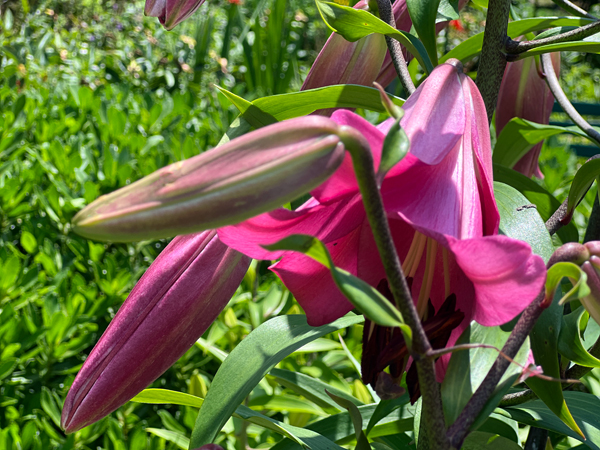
(171, 306)
(525, 94)
(442, 214)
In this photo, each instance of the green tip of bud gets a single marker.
(393, 110)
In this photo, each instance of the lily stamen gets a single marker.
(427, 278)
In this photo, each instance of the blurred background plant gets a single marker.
(94, 96)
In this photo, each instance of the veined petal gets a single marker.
(312, 284)
(343, 181)
(506, 276)
(482, 150)
(435, 115)
(327, 222)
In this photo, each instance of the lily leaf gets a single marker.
(395, 148)
(423, 14)
(362, 443)
(248, 363)
(582, 181)
(572, 271)
(570, 344)
(543, 200)
(520, 135)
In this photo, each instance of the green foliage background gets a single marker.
(94, 96)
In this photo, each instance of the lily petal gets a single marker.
(506, 275)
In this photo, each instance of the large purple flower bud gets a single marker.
(172, 305)
(361, 62)
(524, 94)
(249, 175)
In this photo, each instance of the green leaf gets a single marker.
(363, 296)
(248, 363)
(544, 345)
(395, 147)
(284, 403)
(521, 222)
(467, 368)
(7, 366)
(478, 440)
(49, 406)
(175, 437)
(339, 428)
(384, 409)
(311, 388)
(470, 48)
(582, 181)
(362, 443)
(588, 45)
(165, 396)
(423, 14)
(253, 114)
(354, 24)
(520, 135)
(570, 344)
(447, 10)
(569, 270)
(544, 201)
(296, 104)
(585, 408)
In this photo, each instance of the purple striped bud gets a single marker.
(360, 62)
(171, 12)
(172, 305)
(250, 175)
(524, 94)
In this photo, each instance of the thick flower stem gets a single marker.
(460, 428)
(493, 60)
(386, 14)
(432, 415)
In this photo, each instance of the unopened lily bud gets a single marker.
(250, 175)
(171, 12)
(524, 94)
(172, 305)
(570, 252)
(593, 247)
(360, 62)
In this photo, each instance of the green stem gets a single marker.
(362, 159)
(387, 15)
(493, 60)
